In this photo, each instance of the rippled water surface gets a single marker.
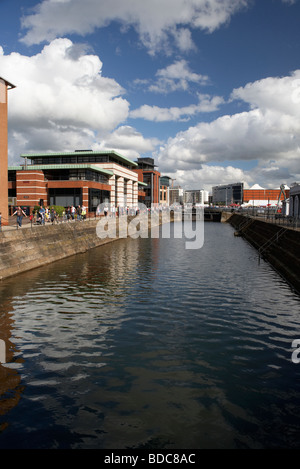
(144, 344)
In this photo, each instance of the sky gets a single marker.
(208, 88)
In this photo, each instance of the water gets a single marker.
(144, 344)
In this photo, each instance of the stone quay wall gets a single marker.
(33, 246)
(277, 245)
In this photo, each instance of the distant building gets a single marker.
(236, 194)
(195, 197)
(257, 196)
(175, 196)
(76, 178)
(147, 174)
(4, 87)
(164, 198)
(228, 194)
(294, 206)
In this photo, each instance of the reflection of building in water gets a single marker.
(10, 389)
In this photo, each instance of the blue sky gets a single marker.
(209, 89)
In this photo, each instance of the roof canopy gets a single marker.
(77, 153)
(62, 166)
(257, 187)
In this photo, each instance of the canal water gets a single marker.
(145, 344)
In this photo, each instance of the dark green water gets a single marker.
(144, 344)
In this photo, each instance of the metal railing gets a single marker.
(271, 241)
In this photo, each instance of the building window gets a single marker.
(97, 197)
(65, 197)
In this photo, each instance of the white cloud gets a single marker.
(157, 114)
(61, 98)
(155, 21)
(269, 132)
(127, 141)
(176, 77)
(208, 176)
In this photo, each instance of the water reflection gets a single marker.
(142, 343)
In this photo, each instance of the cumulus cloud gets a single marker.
(61, 98)
(208, 176)
(127, 141)
(176, 77)
(155, 22)
(269, 132)
(205, 104)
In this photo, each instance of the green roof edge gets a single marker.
(61, 166)
(75, 153)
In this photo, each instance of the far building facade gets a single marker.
(150, 177)
(228, 194)
(196, 197)
(165, 190)
(4, 87)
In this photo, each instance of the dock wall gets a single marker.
(277, 245)
(30, 247)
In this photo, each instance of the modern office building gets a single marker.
(147, 174)
(228, 194)
(4, 87)
(86, 178)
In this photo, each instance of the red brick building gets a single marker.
(151, 178)
(4, 86)
(76, 178)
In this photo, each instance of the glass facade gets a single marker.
(75, 175)
(97, 197)
(65, 197)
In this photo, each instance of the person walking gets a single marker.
(42, 212)
(20, 213)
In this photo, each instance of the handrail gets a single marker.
(272, 240)
(245, 224)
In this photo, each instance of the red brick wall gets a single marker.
(31, 187)
(3, 155)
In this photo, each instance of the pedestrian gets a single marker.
(78, 213)
(83, 212)
(42, 214)
(53, 216)
(20, 213)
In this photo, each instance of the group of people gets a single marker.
(112, 211)
(44, 215)
(75, 213)
(71, 213)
